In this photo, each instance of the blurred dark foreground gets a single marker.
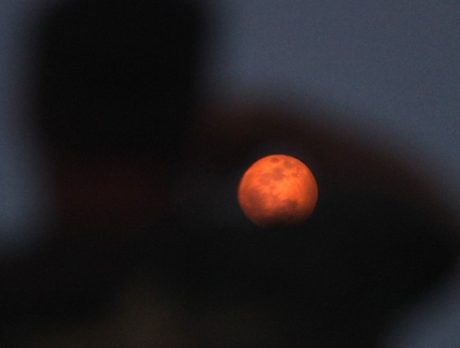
(148, 247)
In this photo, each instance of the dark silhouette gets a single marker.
(149, 248)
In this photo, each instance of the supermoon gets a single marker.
(277, 190)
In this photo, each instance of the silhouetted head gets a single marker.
(117, 78)
(115, 97)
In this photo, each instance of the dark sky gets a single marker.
(394, 62)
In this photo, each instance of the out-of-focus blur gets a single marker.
(126, 127)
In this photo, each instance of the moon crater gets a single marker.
(277, 190)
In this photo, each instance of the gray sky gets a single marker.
(396, 63)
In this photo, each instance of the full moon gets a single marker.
(277, 190)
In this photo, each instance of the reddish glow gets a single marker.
(277, 190)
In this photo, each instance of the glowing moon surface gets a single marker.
(277, 190)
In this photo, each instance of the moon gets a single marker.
(277, 190)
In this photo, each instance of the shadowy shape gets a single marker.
(149, 247)
(118, 78)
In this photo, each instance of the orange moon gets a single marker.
(277, 190)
